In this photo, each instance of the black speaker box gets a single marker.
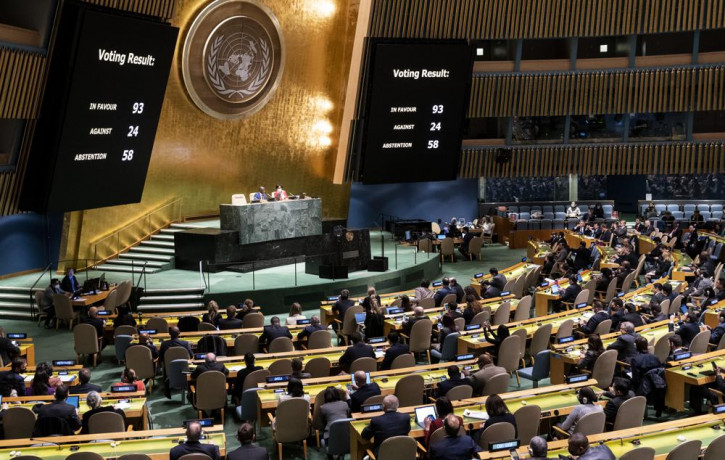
(333, 272)
(378, 264)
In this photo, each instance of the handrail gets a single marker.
(151, 229)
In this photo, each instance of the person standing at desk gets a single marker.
(280, 194)
(70, 282)
(261, 195)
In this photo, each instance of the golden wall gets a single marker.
(292, 141)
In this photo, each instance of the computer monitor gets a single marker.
(91, 285)
(303, 321)
(441, 237)
(73, 401)
(278, 379)
(555, 289)
(395, 310)
(360, 318)
(365, 408)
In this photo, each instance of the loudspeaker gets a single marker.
(378, 264)
(333, 272)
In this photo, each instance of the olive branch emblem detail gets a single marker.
(217, 82)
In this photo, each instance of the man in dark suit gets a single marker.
(456, 289)
(145, 340)
(341, 306)
(193, 446)
(442, 292)
(358, 349)
(95, 321)
(396, 349)
(390, 424)
(418, 314)
(363, 391)
(210, 364)
(47, 303)
(454, 447)
(455, 379)
(569, 294)
(625, 343)
(12, 380)
(247, 450)
(467, 237)
(174, 341)
(599, 315)
(231, 321)
(273, 331)
(579, 447)
(310, 328)
(241, 375)
(70, 283)
(8, 350)
(689, 329)
(85, 385)
(60, 409)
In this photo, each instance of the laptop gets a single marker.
(555, 289)
(441, 237)
(73, 401)
(360, 318)
(424, 412)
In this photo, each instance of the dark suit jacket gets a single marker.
(9, 380)
(272, 332)
(392, 353)
(408, 326)
(61, 410)
(193, 448)
(688, 331)
(68, 283)
(229, 323)
(458, 291)
(458, 448)
(386, 426)
(174, 343)
(203, 367)
(594, 321)
(440, 293)
(624, 346)
(358, 350)
(570, 293)
(152, 347)
(446, 385)
(363, 393)
(341, 307)
(239, 382)
(248, 452)
(97, 323)
(308, 330)
(84, 388)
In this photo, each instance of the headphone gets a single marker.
(582, 399)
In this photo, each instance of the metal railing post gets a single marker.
(295, 270)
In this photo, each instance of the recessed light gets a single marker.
(479, 51)
(603, 48)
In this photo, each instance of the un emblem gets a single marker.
(233, 58)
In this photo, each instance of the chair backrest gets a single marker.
(138, 358)
(665, 306)
(699, 342)
(377, 399)
(523, 309)
(349, 324)
(398, 447)
(688, 450)
(195, 456)
(481, 317)
(591, 287)
(447, 247)
(566, 329)
(253, 319)
(497, 384)
(460, 392)
(405, 360)
(716, 449)
(420, 335)
(631, 413)
(176, 372)
(640, 453)
(449, 298)
(474, 246)
(87, 455)
(611, 291)
(460, 323)
(281, 367)
(246, 343)
(425, 245)
(497, 432)
(591, 423)
(449, 347)
(204, 326)
(255, 378)
(291, 420)
(541, 338)
(603, 370)
(18, 422)
(172, 354)
(675, 305)
(522, 343)
(124, 290)
(508, 354)
(106, 422)
(409, 390)
(338, 442)
(134, 457)
(319, 339)
(627, 283)
(160, 324)
(318, 367)
(111, 301)
(721, 343)
(85, 338)
(662, 347)
(211, 390)
(364, 364)
(125, 330)
(63, 307)
(528, 419)
(542, 365)
(518, 288)
(428, 302)
(581, 297)
(281, 345)
(603, 327)
(502, 314)
(120, 343)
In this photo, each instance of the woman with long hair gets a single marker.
(443, 408)
(212, 313)
(498, 412)
(295, 313)
(587, 358)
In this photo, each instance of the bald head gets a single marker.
(360, 378)
(419, 311)
(93, 312)
(210, 358)
(174, 332)
(193, 431)
(538, 446)
(578, 444)
(390, 403)
(451, 425)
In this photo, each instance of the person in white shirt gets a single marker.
(295, 313)
(573, 211)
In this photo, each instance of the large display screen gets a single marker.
(414, 113)
(101, 108)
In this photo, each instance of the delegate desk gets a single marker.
(646, 244)
(68, 375)
(713, 313)
(695, 371)
(536, 251)
(573, 239)
(433, 374)
(27, 350)
(511, 273)
(87, 299)
(554, 401)
(228, 335)
(474, 341)
(566, 356)
(662, 437)
(681, 270)
(154, 443)
(544, 293)
(135, 408)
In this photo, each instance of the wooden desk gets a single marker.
(154, 443)
(536, 251)
(646, 245)
(511, 273)
(573, 239)
(228, 335)
(712, 314)
(690, 372)
(27, 350)
(555, 401)
(544, 295)
(662, 437)
(681, 270)
(88, 300)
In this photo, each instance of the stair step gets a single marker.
(163, 237)
(156, 257)
(23, 297)
(125, 269)
(157, 243)
(176, 298)
(185, 226)
(136, 263)
(16, 289)
(141, 249)
(172, 306)
(15, 314)
(165, 291)
(11, 305)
